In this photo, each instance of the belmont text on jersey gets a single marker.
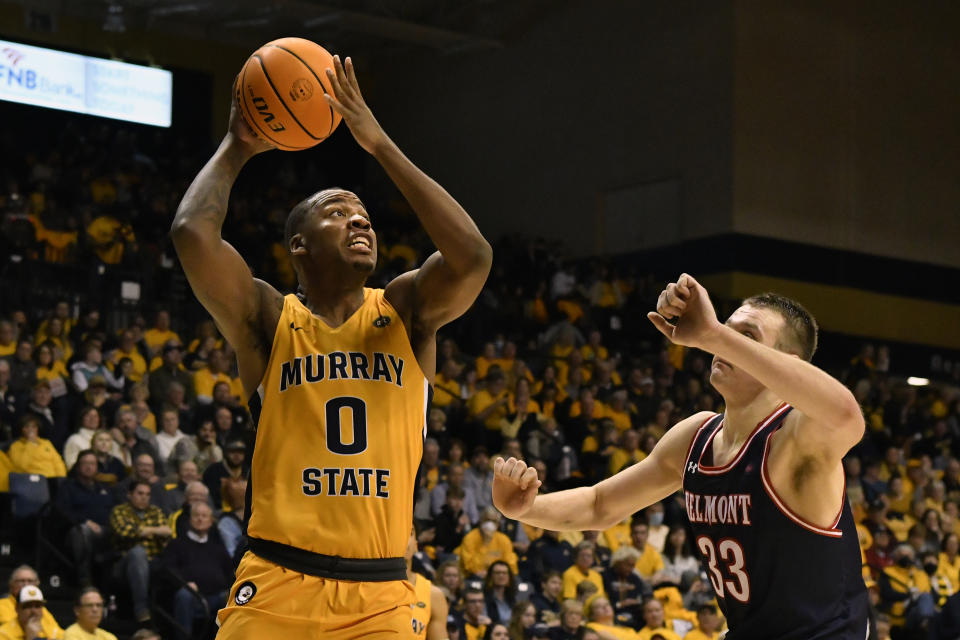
(340, 365)
(723, 509)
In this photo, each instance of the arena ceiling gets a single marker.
(443, 26)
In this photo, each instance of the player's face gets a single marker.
(339, 225)
(762, 325)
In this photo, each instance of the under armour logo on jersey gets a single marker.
(692, 467)
(381, 322)
(295, 328)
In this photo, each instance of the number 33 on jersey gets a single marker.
(341, 416)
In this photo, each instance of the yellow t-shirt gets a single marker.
(618, 632)
(621, 457)
(617, 536)
(650, 562)
(139, 364)
(483, 399)
(38, 457)
(75, 632)
(646, 634)
(8, 349)
(10, 626)
(204, 381)
(155, 338)
(476, 556)
(574, 576)
(445, 391)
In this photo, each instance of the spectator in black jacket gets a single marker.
(625, 588)
(451, 524)
(200, 560)
(86, 505)
(549, 552)
(548, 600)
(23, 370)
(234, 465)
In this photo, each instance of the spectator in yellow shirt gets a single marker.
(160, 332)
(656, 622)
(89, 611)
(29, 622)
(483, 545)
(8, 338)
(446, 387)
(628, 453)
(486, 359)
(32, 454)
(708, 624)
(109, 237)
(599, 613)
(128, 349)
(21, 577)
(580, 570)
(650, 561)
(217, 370)
(491, 404)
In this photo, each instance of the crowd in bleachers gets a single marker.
(142, 429)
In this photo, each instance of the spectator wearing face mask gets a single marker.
(905, 591)
(484, 545)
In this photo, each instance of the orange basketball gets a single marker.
(280, 93)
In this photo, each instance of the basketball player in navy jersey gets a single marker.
(763, 482)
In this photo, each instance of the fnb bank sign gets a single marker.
(71, 82)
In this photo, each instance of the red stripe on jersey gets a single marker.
(712, 471)
(833, 532)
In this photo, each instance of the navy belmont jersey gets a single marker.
(776, 576)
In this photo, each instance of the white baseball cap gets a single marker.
(31, 593)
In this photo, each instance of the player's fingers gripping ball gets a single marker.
(279, 92)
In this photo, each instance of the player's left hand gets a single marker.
(349, 103)
(687, 301)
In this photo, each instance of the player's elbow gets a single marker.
(851, 420)
(602, 517)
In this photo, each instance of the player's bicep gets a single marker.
(654, 478)
(442, 294)
(830, 442)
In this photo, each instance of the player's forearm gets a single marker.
(814, 392)
(449, 226)
(204, 206)
(570, 510)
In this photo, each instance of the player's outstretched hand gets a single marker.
(349, 103)
(688, 302)
(515, 486)
(241, 134)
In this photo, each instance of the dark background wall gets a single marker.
(609, 125)
(846, 127)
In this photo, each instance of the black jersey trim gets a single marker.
(712, 471)
(833, 532)
(332, 567)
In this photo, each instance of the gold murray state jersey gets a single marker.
(341, 417)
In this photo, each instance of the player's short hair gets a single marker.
(799, 333)
(300, 211)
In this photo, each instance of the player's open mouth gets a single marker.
(361, 244)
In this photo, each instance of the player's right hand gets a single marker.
(515, 486)
(241, 133)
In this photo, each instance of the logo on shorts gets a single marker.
(245, 593)
(381, 322)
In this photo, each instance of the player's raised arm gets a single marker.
(833, 421)
(219, 277)
(451, 279)
(604, 504)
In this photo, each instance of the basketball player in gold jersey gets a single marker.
(339, 384)
(430, 609)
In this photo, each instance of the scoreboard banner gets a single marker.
(83, 84)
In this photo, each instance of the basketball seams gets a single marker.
(333, 115)
(247, 108)
(266, 75)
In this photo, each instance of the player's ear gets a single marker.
(298, 246)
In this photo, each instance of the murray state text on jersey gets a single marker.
(352, 365)
(724, 509)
